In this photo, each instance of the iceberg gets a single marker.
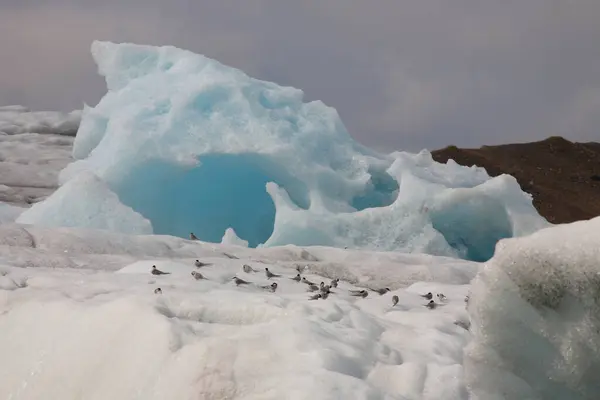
(535, 317)
(192, 145)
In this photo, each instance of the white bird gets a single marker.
(248, 269)
(200, 264)
(431, 305)
(297, 278)
(239, 281)
(395, 300)
(360, 293)
(272, 287)
(192, 236)
(307, 281)
(313, 288)
(197, 275)
(158, 291)
(441, 297)
(381, 291)
(315, 297)
(156, 271)
(270, 275)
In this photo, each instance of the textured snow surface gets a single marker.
(34, 147)
(196, 146)
(535, 311)
(79, 317)
(15, 120)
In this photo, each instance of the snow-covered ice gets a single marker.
(79, 317)
(193, 145)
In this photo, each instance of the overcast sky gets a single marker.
(403, 74)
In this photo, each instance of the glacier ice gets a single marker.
(95, 206)
(193, 145)
(535, 311)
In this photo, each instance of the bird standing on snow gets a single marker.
(395, 300)
(270, 275)
(200, 264)
(441, 297)
(428, 296)
(315, 297)
(248, 269)
(381, 291)
(239, 281)
(158, 291)
(313, 288)
(324, 295)
(192, 236)
(156, 271)
(197, 275)
(359, 293)
(272, 287)
(431, 305)
(307, 281)
(334, 283)
(297, 278)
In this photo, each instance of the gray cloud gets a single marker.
(402, 74)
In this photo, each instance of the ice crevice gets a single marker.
(181, 143)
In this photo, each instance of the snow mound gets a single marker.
(535, 310)
(231, 238)
(16, 120)
(196, 146)
(95, 206)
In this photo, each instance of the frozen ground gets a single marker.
(34, 147)
(79, 317)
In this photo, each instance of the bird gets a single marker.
(325, 289)
(334, 282)
(272, 287)
(239, 281)
(197, 275)
(381, 291)
(467, 298)
(192, 236)
(307, 281)
(200, 264)
(324, 295)
(297, 278)
(270, 274)
(441, 297)
(395, 300)
(428, 296)
(315, 297)
(431, 305)
(156, 271)
(359, 293)
(313, 288)
(158, 291)
(248, 269)
(321, 285)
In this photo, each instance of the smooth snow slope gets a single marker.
(79, 319)
(195, 146)
(535, 311)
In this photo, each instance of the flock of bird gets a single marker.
(321, 291)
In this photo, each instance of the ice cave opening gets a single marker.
(223, 191)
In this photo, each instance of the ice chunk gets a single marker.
(86, 201)
(196, 146)
(230, 238)
(8, 212)
(535, 310)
